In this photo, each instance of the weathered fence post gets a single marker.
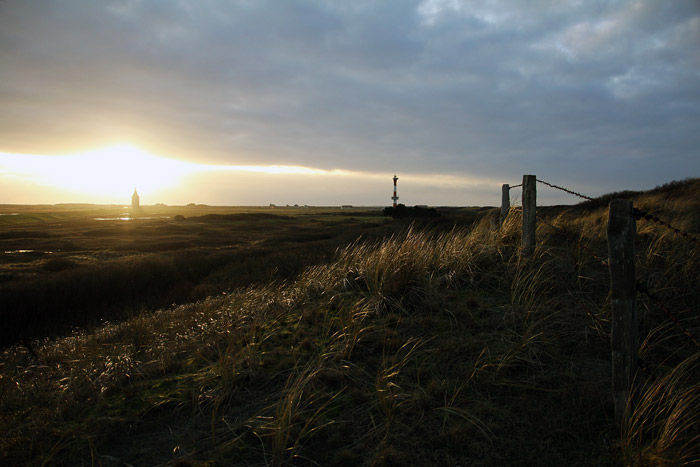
(505, 202)
(624, 341)
(529, 210)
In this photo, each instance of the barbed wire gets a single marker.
(658, 302)
(639, 214)
(564, 189)
(640, 287)
(514, 186)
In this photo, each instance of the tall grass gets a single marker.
(424, 348)
(662, 428)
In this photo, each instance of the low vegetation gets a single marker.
(93, 266)
(429, 346)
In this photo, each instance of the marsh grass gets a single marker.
(440, 346)
(114, 268)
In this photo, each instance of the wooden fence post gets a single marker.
(529, 210)
(505, 202)
(624, 340)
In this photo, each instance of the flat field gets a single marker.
(65, 266)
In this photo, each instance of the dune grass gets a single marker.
(428, 347)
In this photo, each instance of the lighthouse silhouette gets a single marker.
(135, 201)
(395, 197)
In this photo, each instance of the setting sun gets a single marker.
(112, 172)
(102, 173)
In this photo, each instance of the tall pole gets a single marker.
(529, 209)
(623, 298)
(505, 202)
(395, 198)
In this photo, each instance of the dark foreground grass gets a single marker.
(425, 348)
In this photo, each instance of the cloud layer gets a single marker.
(599, 95)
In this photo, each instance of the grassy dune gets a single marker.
(427, 347)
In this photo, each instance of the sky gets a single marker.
(321, 102)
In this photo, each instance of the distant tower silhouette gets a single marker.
(395, 198)
(135, 200)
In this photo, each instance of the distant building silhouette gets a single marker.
(135, 200)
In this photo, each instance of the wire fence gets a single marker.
(638, 215)
(565, 190)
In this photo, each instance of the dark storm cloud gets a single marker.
(597, 94)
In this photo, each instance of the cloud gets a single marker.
(570, 90)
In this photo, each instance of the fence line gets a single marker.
(623, 284)
(566, 190)
(639, 214)
(639, 286)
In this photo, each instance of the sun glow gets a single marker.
(109, 176)
(102, 173)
